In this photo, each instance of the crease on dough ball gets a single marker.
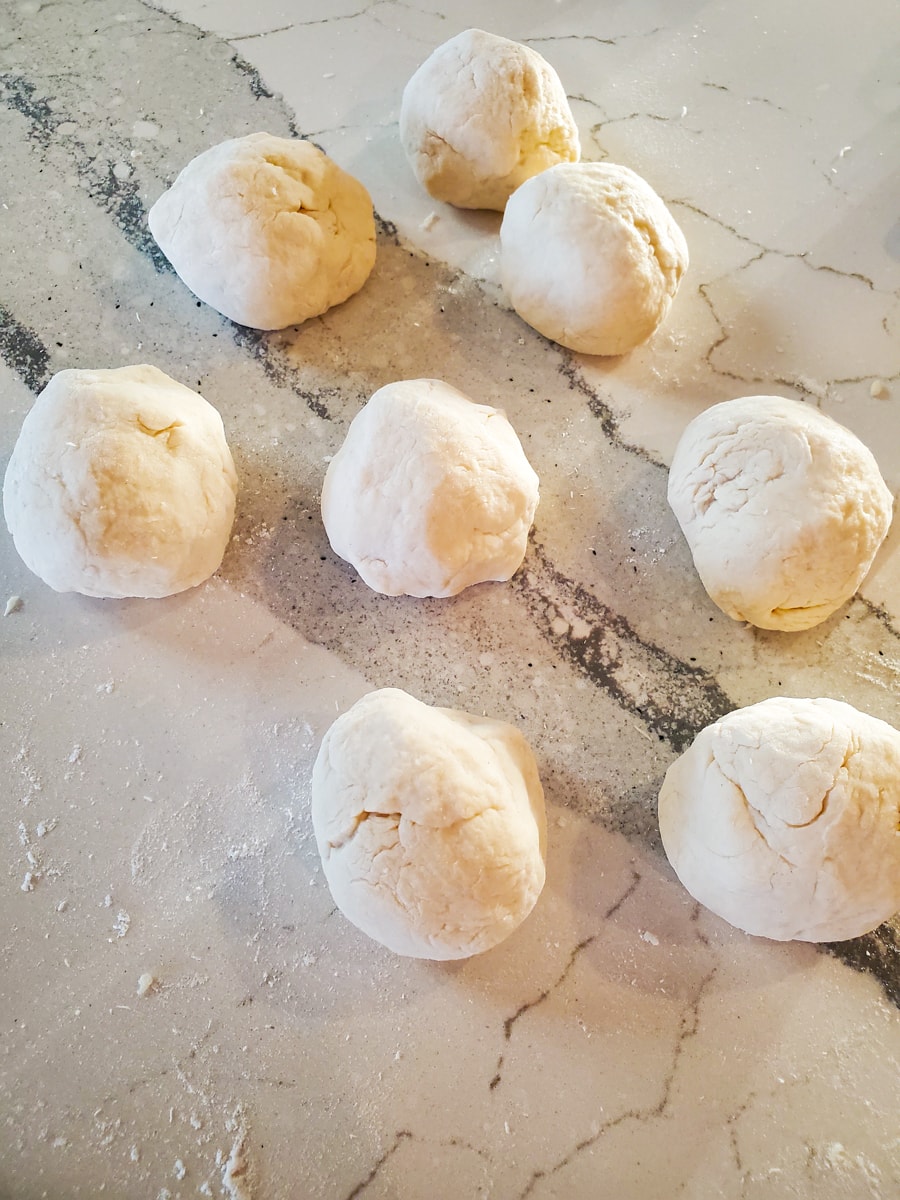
(480, 116)
(430, 825)
(782, 818)
(783, 509)
(429, 493)
(591, 257)
(121, 484)
(269, 231)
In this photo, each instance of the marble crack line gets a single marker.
(593, 37)
(569, 370)
(365, 11)
(646, 116)
(721, 87)
(813, 389)
(576, 952)
(688, 1028)
(400, 1137)
(801, 256)
(707, 216)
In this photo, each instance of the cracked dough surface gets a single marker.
(480, 116)
(783, 819)
(269, 231)
(430, 492)
(783, 509)
(430, 824)
(121, 483)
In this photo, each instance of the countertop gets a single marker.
(156, 755)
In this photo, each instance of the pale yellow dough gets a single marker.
(591, 257)
(267, 230)
(430, 824)
(782, 818)
(481, 115)
(121, 483)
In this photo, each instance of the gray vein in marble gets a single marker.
(23, 351)
(721, 87)
(801, 256)
(688, 1028)
(674, 699)
(366, 10)
(645, 116)
(881, 615)
(400, 1137)
(876, 953)
(520, 1012)
(120, 198)
(593, 37)
(798, 382)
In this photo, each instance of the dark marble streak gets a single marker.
(876, 953)
(674, 699)
(23, 351)
(120, 198)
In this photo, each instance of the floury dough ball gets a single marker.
(430, 825)
(782, 818)
(267, 230)
(783, 509)
(591, 257)
(482, 115)
(120, 484)
(430, 492)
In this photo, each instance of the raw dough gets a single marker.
(482, 115)
(783, 819)
(430, 824)
(430, 492)
(783, 509)
(120, 484)
(267, 230)
(591, 257)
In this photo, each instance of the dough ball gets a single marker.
(783, 509)
(430, 824)
(120, 484)
(267, 230)
(591, 257)
(782, 818)
(429, 493)
(482, 115)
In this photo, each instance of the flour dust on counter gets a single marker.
(184, 1012)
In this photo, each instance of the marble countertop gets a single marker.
(155, 755)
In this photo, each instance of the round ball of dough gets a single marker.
(430, 824)
(267, 230)
(783, 509)
(429, 493)
(120, 484)
(482, 115)
(591, 257)
(783, 819)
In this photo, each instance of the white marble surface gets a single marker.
(155, 756)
